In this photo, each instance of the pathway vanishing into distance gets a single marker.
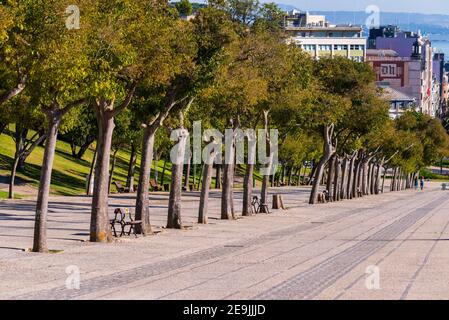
(305, 252)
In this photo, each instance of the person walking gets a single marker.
(416, 183)
(421, 182)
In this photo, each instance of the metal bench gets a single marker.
(120, 218)
(258, 207)
(120, 187)
(154, 185)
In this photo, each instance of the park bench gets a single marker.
(120, 187)
(154, 185)
(190, 188)
(257, 206)
(120, 216)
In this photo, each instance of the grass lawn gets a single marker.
(4, 195)
(69, 174)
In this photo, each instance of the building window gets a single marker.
(309, 47)
(357, 47)
(340, 47)
(325, 47)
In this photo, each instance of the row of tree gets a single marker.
(134, 67)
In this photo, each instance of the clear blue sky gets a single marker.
(417, 6)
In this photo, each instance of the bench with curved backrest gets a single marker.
(258, 207)
(119, 217)
(120, 188)
(131, 223)
(123, 218)
(154, 185)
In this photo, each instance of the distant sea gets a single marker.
(441, 42)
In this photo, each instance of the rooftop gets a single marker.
(393, 94)
(381, 53)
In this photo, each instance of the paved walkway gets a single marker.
(306, 252)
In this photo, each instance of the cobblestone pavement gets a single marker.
(305, 252)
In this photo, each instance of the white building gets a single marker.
(322, 39)
(400, 102)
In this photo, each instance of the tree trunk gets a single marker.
(364, 185)
(20, 137)
(357, 178)
(187, 176)
(13, 177)
(248, 190)
(73, 147)
(393, 180)
(344, 179)
(312, 173)
(200, 179)
(111, 173)
(227, 197)
(84, 147)
(155, 166)
(174, 204)
(282, 177)
(131, 168)
(378, 174)
(383, 179)
(14, 91)
(40, 225)
(337, 177)
(328, 153)
(218, 176)
(2, 127)
(290, 174)
(226, 194)
(248, 182)
(350, 177)
(372, 178)
(331, 177)
(27, 150)
(265, 181)
(297, 176)
(142, 197)
(194, 175)
(163, 171)
(91, 176)
(368, 178)
(205, 188)
(99, 223)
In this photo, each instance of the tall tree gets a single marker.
(56, 86)
(122, 59)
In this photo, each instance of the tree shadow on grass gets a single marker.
(58, 179)
(69, 157)
(5, 162)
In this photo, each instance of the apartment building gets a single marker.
(322, 39)
(405, 61)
